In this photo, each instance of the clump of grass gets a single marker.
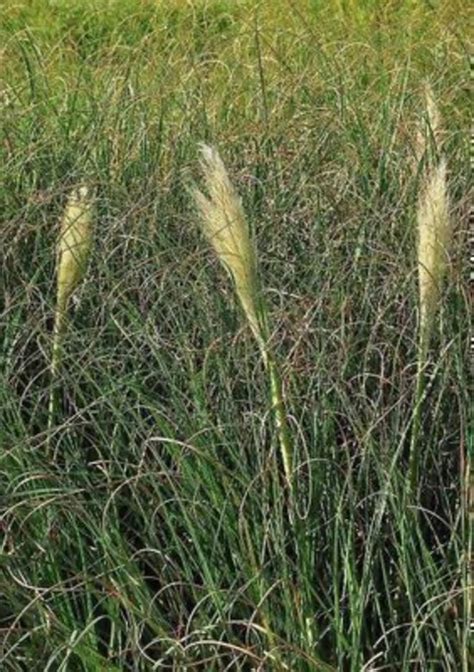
(178, 557)
(73, 247)
(434, 236)
(224, 225)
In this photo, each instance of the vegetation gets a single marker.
(146, 521)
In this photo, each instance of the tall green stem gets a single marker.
(59, 330)
(420, 386)
(281, 421)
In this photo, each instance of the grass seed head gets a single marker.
(434, 235)
(224, 225)
(74, 243)
(75, 237)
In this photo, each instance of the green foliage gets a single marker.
(158, 536)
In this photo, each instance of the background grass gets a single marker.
(158, 538)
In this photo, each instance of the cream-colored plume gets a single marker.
(434, 235)
(74, 243)
(223, 222)
(224, 225)
(75, 237)
(73, 248)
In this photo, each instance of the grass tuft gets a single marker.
(160, 536)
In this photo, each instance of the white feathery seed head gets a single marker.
(434, 236)
(224, 225)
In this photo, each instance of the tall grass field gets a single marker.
(234, 336)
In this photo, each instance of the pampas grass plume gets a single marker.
(75, 237)
(72, 251)
(434, 235)
(224, 225)
(74, 243)
(73, 248)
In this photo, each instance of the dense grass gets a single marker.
(157, 535)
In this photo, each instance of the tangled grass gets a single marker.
(156, 533)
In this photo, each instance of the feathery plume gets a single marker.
(75, 237)
(434, 235)
(73, 247)
(224, 225)
(74, 243)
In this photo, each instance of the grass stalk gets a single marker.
(224, 225)
(281, 420)
(433, 228)
(434, 233)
